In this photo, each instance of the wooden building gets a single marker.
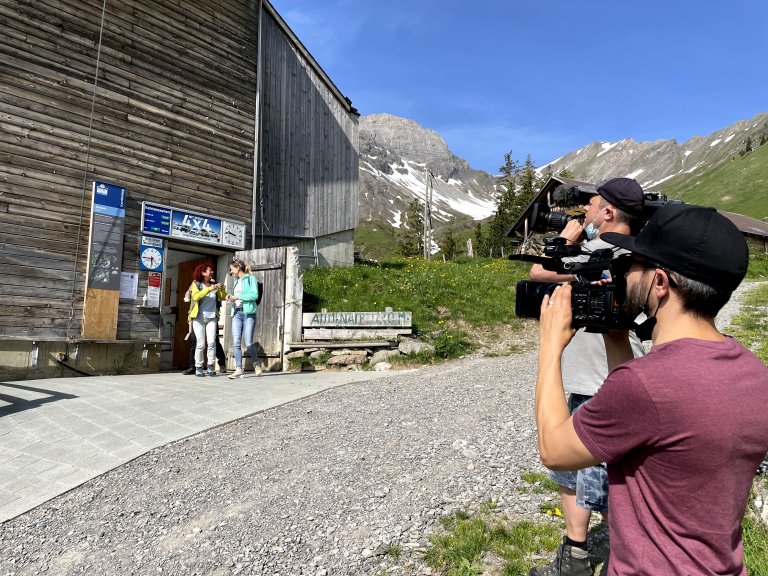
(184, 131)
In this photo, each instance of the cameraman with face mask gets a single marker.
(615, 207)
(683, 429)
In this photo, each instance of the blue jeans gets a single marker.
(243, 327)
(590, 484)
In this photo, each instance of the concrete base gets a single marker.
(28, 360)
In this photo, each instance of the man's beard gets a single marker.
(637, 296)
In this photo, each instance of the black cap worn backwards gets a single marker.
(697, 242)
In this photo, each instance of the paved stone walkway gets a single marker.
(57, 433)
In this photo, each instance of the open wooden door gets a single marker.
(183, 281)
(278, 304)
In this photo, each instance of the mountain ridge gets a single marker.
(398, 157)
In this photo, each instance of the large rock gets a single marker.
(414, 346)
(347, 359)
(384, 356)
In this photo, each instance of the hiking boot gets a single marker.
(211, 370)
(238, 373)
(189, 371)
(570, 561)
(199, 372)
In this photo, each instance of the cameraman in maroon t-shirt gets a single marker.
(682, 429)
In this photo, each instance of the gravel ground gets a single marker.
(322, 486)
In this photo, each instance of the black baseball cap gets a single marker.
(624, 193)
(697, 242)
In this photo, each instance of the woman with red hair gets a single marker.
(204, 314)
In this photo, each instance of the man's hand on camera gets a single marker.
(559, 445)
(555, 331)
(572, 231)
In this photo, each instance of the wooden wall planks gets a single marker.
(172, 122)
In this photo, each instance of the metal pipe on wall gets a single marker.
(257, 181)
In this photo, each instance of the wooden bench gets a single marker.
(326, 329)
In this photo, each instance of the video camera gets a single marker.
(596, 307)
(544, 219)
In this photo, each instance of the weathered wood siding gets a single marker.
(172, 122)
(309, 146)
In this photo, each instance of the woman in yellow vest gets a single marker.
(204, 314)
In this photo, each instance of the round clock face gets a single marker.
(151, 258)
(233, 234)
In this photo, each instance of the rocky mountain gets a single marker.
(654, 163)
(396, 157)
(397, 154)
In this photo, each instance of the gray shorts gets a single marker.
(590, 484)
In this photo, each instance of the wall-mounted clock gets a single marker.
(233, 234)
(150, 258)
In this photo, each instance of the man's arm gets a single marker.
(572, 232)
(559, 446)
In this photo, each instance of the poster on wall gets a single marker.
(154, 283)
(129, 285)
(195, 227)
(105, 249)
(168, 222)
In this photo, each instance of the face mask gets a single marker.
(590, 230)
(644, 324)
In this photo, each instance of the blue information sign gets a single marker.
(156, 220)
(105, 253)
(164, 221)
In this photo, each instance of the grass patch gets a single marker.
(750, 326)
(461, 551)
(541, 482)
(736, 185)
(445, 297)
(758, 265)
(755, 534)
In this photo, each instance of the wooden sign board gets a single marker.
(385, 319)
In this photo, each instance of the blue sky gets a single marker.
(543, 77)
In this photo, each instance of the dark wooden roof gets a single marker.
(747, 225)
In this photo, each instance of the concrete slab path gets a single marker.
(57, 433)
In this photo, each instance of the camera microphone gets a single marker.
(562, 194)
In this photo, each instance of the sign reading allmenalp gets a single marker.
(386, 319)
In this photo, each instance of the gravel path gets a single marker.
(322, 486)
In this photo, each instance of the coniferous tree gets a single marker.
(503, 220)
(546, 174)
(528, 186)
(449, 246)
(411, 238)
(747, 146)
(565, 173)
(479, 243)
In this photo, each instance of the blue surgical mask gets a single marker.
(590, 229)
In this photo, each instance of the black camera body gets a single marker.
(598, 307)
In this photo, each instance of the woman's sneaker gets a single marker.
(211, 370)
(199, 372)
(238, 373)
